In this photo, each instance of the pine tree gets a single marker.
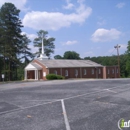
(10, 37)
(26, 51)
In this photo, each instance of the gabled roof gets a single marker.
(60, 63)
(33, 66)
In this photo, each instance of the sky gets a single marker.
(88, 27)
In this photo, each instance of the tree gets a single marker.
(25, 50)
(128, 58)
(48, 43)
(58, 57)
(71, 55)
(10, 37)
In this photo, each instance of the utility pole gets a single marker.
(117, 47)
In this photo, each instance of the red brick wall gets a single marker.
(71, 72)
(111, 74)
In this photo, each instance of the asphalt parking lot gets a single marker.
(65, 105)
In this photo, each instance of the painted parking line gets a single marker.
(85, 94)
(65, 115)
(111, 91)
(40, 104)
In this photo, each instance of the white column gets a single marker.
(25, 75)
(35, 75)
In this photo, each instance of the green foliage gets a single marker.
(60, 77)
(68, 55)
(110, 61)
(128, 58)
(71, 55)
(58, 57)
(53, 77)
(48, 43)
(13, 45)
(10, 39)
(25, 50)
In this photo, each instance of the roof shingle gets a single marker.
(68, 63)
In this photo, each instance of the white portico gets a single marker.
(33, 71)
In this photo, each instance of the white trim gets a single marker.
(25, 74)
(55, 72)
(66, 72)
(92, 71)
(99, 71)
(33, 66)
(113, 71)
(85, 72)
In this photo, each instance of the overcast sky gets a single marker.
(89, 27)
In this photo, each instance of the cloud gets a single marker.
(103, 22)
(104, 35)
(90, 53)
(19, 4)
(69, 5)
(55, 20)
(123, 46)
(120, 5)
(70, 43)
(30, 36)
(33, 49)
(80, 1)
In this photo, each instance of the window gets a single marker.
(66, 72)
(108, 71)
(55, 72)
(76, 72)
(117, 70)
(99, 71)
(113, 71)
(92, 71)
(85, 72)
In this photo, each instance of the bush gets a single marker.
(60, 77)
(53, 77)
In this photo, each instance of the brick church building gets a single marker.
(40, 67)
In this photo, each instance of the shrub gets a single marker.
(60, 77)
(53, 77)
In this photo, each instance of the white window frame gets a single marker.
(92, 71)
(113, 71)
(66, 72)
(99, 71)
(76, 72)
(55, 72)
(85, 72)
(117, 70)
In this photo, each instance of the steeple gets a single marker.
(43, 55)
